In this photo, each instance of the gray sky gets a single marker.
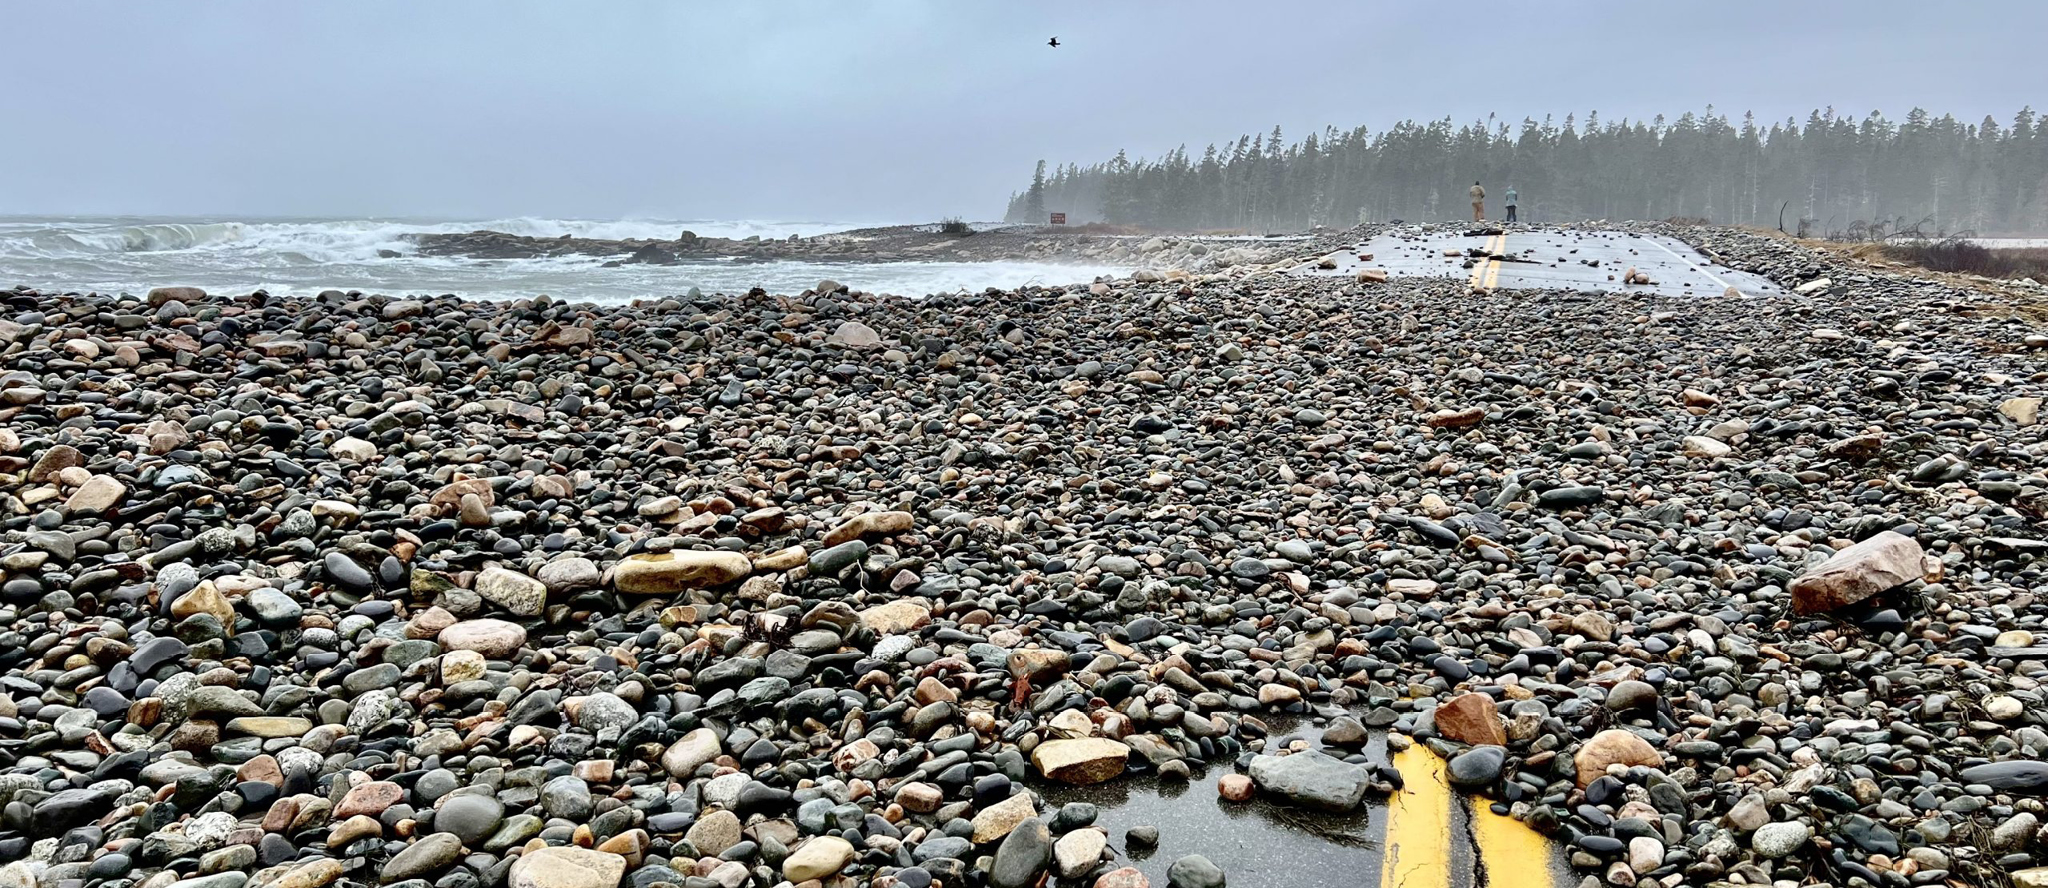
(881, 111)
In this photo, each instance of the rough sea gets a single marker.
(304, 255)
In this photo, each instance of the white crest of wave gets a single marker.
(342, 240)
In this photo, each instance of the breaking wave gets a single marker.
(131, 254)
(339, 240)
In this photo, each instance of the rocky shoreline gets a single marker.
(824, 588)
(903, 243)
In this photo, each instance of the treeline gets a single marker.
(1835, 172)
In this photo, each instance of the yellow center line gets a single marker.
(1500, 245)
(1418, 848)
(1481, 268)
(1510, 852)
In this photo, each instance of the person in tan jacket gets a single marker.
(1478, 203)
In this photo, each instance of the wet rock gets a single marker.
(997, 820)
(1077, 852)
(1477, 768)
(97, 495)
(691, 751)
(1127, 877)
(672, 572)
(566, 867)
(1194, 871)
(423, 858)
(1630, 694)
(1613, 747)
(1775, 840)
(817, 858)
(1875, 565)
(855, 335)
(514, 592)
(1235, 787)
(1471, 719)
(869, 524)
(2009, 776)
(469, 817)
(1024, 854)
(1081, 760)
(495, 639)
(1313, 779)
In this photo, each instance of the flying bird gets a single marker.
(1054, 42)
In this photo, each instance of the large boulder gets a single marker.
(694, 749)
(425, 857)
(98, 495)
(495, 639)
(897, 617)
(1471, 719)
(1078, 851)
(996, 821)
(566, 866)
(1081, 760)
(1613, 746)
(1313, 779)
(870, 524)
(670, 572)
(1878, 564)
(2022, 411)
(1022, 857)
(161, 295)
(815, 859)
(855, 335)
(568, 574)
(2017, 775)
(450, 495)
(515, 592)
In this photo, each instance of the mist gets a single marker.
(866, 112)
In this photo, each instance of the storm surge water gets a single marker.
(301, 256)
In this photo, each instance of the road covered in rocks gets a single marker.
(835, 589)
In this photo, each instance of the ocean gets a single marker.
(300, 256)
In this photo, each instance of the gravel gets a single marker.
(299, 592)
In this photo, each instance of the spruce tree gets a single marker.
(1838, 172)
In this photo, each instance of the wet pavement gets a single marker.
(1424, 836)
(1591, 261)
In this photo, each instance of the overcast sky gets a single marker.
(873, 111)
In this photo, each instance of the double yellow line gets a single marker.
(1486, 275)
(1507, 853)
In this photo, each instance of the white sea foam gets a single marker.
(304, 255)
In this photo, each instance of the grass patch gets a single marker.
(1955, 255)
(955, 227)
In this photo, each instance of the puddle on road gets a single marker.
(1255, 842)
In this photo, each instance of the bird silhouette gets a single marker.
(1054, 42)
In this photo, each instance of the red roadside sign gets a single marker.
(1059, 218)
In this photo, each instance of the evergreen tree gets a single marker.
(1034, 197)
(1835, 171)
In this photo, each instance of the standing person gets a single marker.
(1478, 203)
(1511, 203)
